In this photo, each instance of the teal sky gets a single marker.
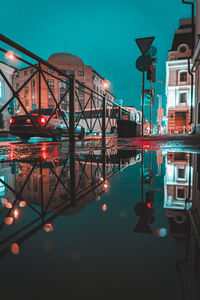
(102, 33)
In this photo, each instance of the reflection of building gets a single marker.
(5, 94)
(178, 80)
(68, 64)
(178, 185)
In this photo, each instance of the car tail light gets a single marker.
(12, 121)
(126, 118)
(54, 116)
(35, 114)
(42, 120)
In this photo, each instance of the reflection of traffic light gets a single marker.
(147, 175)
(145, 213)
(151, 73)
(149, 200)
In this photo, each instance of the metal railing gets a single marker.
(37, 84)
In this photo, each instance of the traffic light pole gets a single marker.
(151, 107)
(142, 101)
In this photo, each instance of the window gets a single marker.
(50, 82)
(81, 73)
(68, 72)
(183, 98)
(17, 85)
(180, 193)
(33, 95)
(183, 76)
(25, 72)
(181, 173)
(33, 82)
(1, 89)
(49, 70)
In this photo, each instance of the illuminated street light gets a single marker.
(10, 55)
(15, 248)
(106, 84)
(16, 213)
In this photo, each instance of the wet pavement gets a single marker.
(118, 222)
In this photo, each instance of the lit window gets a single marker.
(183, 76)
(81, 73)
(50, 82)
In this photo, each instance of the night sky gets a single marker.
(102, 33)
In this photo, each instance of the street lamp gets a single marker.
(106, 84)
(10, 55)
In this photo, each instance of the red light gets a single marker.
(12, 121)
(35, 114)
(42, 120)
(54, 116)
(126, 118)
(149, 204)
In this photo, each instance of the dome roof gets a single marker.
(63, 58)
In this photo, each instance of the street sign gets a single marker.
(143, 63)
(144, 43)
(152, 51)
(160, 114)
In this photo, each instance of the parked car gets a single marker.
(22, 126)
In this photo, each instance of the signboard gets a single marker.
(143, 63)
(160, 114)
(144, 43)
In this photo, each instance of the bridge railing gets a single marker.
(28, 82)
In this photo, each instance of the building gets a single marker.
(178, 80)
(178, 184)
(196, 71)
(70, 65)
(5, 94)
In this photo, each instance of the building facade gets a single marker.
(196, 71)
(70, 65)
(178, 80)
(5, 94)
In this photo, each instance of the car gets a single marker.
(56, 128)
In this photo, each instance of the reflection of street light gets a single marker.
(10, 55)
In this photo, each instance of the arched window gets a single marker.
(183, 77)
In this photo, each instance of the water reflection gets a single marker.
(34, 192)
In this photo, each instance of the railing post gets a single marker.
(39, 87)
(72, 140)
(104, 121)
(72, 110)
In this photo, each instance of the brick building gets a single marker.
(178, 80)
(70, 65)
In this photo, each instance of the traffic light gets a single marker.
(151, 73)
(146, 218)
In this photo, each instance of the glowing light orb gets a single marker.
(10, 55)
(104, 207)
(15, 213)
(8, 220)
(22, 203)
(15, 248)
(8, 205)
(48, 227)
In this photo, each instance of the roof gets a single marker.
(65, 58)
(183, 35)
